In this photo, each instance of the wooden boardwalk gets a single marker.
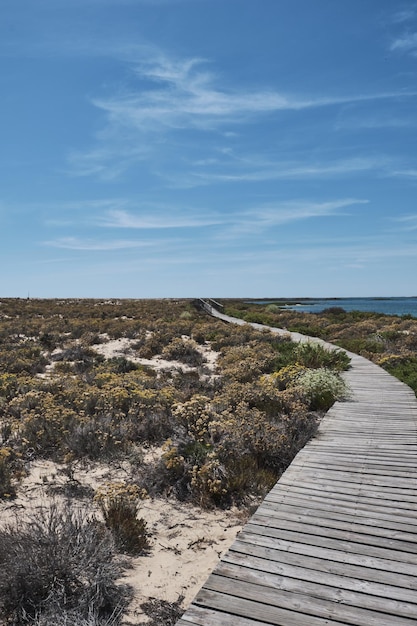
(335, 541)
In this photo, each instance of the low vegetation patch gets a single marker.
(322, 388)
(388, 340)
(119, 504)
(163, 612)
(226, 427)
(227, 434)
(60, 568)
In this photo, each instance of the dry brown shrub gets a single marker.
(59, 563)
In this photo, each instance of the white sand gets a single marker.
(186, 544)
(123, 347)
(186, 541)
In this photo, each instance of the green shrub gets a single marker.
(272, 308)
(322, 387)
(405, 369)
(313, 355)
(367, 347)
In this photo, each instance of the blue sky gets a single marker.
(242, 148)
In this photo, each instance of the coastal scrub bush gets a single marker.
(41, 421)
(121, 365)
(263, 394)
(322, 387)
(246, 363)
(313, 355)
(405, 369)
(335, 311)
(194, 416)
(6, 488)
(367, 347)
(21, 358)
(184, 350)
(249, 431)
(272, 308)
(287, 376)
(95, 438)
(119, 505)
(230, 451)
(59, 563)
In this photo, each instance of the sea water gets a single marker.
(389, 306)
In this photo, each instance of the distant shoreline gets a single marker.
(388, 306)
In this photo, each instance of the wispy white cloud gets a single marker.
(77, 212)
(168, 94)
(74, 206)
(74, 243)
(258, 171)
(407, 173)
(263, 218)
(376, 121)
(301, 210)
(106, 163)
(171, 219)
(178, 229)
(408, 222)
(238, 221)
(404, 15)
(185, 94)
(407, 43)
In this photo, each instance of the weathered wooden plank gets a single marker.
(376, 568)
(399, 461)
(339, 530)
(399, 485)
(201, 616)
(344, 506)
(243, 608)
(301, 583)
(355, 491)
(307, 604)
(382, 523)
(364, 469)
(378, 456)
(345, 551)
(308, 569)
(378, 486)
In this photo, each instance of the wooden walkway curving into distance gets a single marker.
(335, 541)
